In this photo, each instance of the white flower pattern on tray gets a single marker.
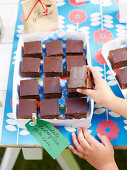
(11, 123)
(10, 128)
(96, 20)
(105, 3)
(70, 129)
(74, 28)
(121, 30)
(60, 2)
(112, 80)
(24, 132)
(20, 30)
(125, 127)
(61, 21)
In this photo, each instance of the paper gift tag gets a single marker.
(39, 15)
(48, 136)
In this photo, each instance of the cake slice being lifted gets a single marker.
(81, 77)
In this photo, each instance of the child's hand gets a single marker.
(99, 155)
(102, 94)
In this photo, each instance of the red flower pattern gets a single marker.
(102, 36)
(77, 16)
(117, 2)
(99, 58)
(11, 102)
(64, 77)
(38, 105)
(61, 118)
(74, 3)
(21, 17)
(118, 15)
(108, 128)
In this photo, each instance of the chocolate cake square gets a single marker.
(54, 48)
(29, 89)
(26, 107)
(121, 76)
(51, 87)
(30, 67)
(76, 108)
(49, 109)
(32, 49)
(81, 77)
(118, 57)
(74, 61)
(52, 66)
(72, 92)
(74, 47)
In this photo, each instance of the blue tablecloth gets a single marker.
(101, 25)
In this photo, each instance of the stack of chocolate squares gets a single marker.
(53, 70)
(29, 89)
(118, 59)
(76, 104)
(78, 76)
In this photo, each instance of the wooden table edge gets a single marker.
(21, 146)
(116, 147)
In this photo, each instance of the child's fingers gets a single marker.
(90, 139)
(105, 140)
(75, 151)
(76, 143)
(95, 73)
(82, 140)
(87, 92)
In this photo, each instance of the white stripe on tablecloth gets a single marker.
(17, 143)
(105, 77)
(101, 11)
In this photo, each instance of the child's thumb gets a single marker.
(87, 92)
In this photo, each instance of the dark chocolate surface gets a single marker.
(75, 61)
(54, 48)
(118, 55)
(122, 74)
(49, 108)
(75, 106)
(81, 77)
(52, 65)
(74, 47)
(73, 92)
(30, 66)
(78, 76)
(26, 107)
(29, 89)
(32, 49)
(51, 85)
(70, 90)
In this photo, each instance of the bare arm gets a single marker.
(119, 106)
(103, 95)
